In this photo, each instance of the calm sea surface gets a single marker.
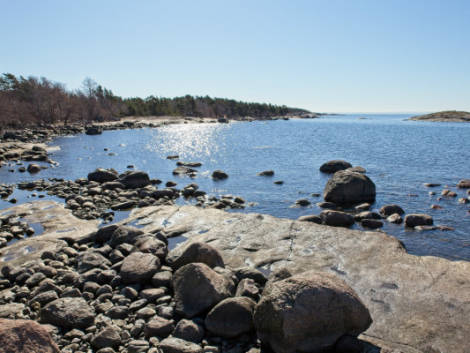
(399, 156)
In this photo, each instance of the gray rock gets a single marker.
(336, 218)
(177, 345)
(103, 175)
(138, 346)
(371, 223)
(334, 166)
(366, 215)
(309, 312)
(162, 279)
(135, 179)
(395, 218)
(124, 234)
(266, 173)
(195, 252)
(198, 288)
(34, 168)
(310, 218)
(231, 317)
(247, 288)
(417, 219)
(69, 313)
(183, 170)
(94, 130)
(159, 326)
(139, 267)
(189, 330)
(90, 260)
(464, 184)
(345, 188)
(150, 244)
(107, 337)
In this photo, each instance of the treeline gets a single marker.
(205, 107)
(36, 101)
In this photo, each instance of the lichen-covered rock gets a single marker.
(309, 312)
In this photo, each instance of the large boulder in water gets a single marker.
(25, 336)
(348, 188)
(334, 166)
(134, 180)
(309, 312)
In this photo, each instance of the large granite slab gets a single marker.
(418, 303)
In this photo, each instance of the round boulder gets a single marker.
(347, 188)
(388, 210)
(334, 166)
(198, 288)
(464, 184)
(231, 317)
(195, 252)
(219, 175)
(139, 267)
(309, 312)
(134, 180)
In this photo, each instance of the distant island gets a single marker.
(449, 115)
(32, 101)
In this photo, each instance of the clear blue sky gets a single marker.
(329, 56)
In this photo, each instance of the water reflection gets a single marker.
(187, 141)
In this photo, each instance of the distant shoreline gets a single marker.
(444, 116)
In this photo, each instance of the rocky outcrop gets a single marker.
(445, 116)
(333, 166)
(309, 312)
(25, 336)
(406, 295)
(346, 188)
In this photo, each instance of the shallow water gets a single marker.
(399, 156)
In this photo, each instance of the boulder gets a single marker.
(34, 168)
(219, 175)
(418, 219)
(394, 218)
(388, 210)
(464, 184)
(25, 336)
(371, 223)
(195, 252)
(69, 313)
(334, 166)
(184, 170)
(101, 175)
(198, 288)
(135, 179)
(231, 317)
(366, 215)
(189, 330)
(189, 164)
(309, 312)
(91, 259)
(139, 267)
(159, 326)
(107, 337)
(124, 234)
(347, 188)
(336, 218)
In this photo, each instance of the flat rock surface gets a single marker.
(417, 303)
(58, 225)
